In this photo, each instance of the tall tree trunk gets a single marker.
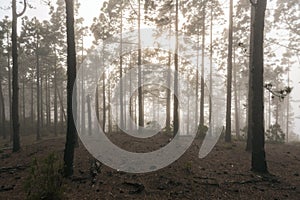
(140, 89)
(62, 110)
(168, 106)
(48, 94)
(82, 123)
(89, 107)
(188, 116)
(236, 107)
(176, 106)
(23, 100)
(168, 103)
(38, 102)
(202, 72)
(103, 103)
(9, 91)
(41, 99)
(55, 94)
(249, 132)
(109, 109)
(121, 73)
(31, 106)
(71, 72)
(259, 163)
(229, 77)
(9, 87)
(97, 103)
(130, 97)
(2, 111)
(103, 92)
(15, 81)
(197, 79)
(288, 108)
(210, 69)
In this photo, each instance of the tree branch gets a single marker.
(24, 9)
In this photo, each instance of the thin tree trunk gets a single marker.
(88, 101)
(210, 70)
(140, 89)
(168, 106)
(55, 95)
(249, 132)
(176, 106)
(109, 109)
(38, 109)
(188, 116)
(229, 77)
(82, 126)
(41, 100)
(121, 73)
(202, 73)
(2, 110)
(288, 108)
(31, 106)
(97, 103)
(23, 101)
(48, 94)
(168, 103)
(63, 116)
(9, 88)
(71, 72)
(197, 80)
(236, 107)
(15, 81)
(130, 98)
(103, 94)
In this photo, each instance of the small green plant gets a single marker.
(45, 179)
(188, 167)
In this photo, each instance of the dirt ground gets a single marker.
(223, 174)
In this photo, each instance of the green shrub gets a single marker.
(45, 179)
(275, 134)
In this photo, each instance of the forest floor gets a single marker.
(223, 174)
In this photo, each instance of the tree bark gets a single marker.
(55, 94)
(2, 111)
(88, 101)
(140, 89)
(259, 163)
(202, 72)
(168, 106)
(176, 103)
(121, 73)
(71, 72)
(211, 70)
(15, 81)
(229, 76)
(9, 87)
(38, 101)
(250, 91)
